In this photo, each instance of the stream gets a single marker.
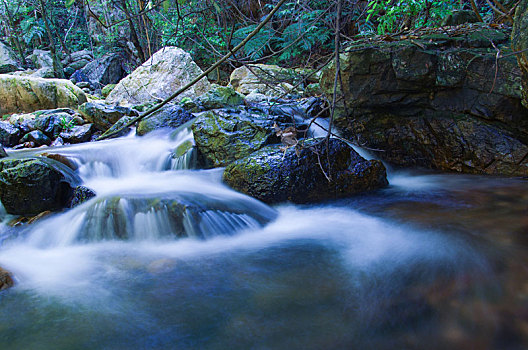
(434, 261)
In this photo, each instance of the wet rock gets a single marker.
(117, 126)
(170, 116)
(3, 153)
(159, 77)
(78, 134)
(57, 142)
(37, 137)
(103, 115)
(81, 194)
(105, 70)
(32, 185)
(222, 137)
(519, 38)
(28, 94)
(435, 102)
(273, 176)
(9, 134)
(60, 158)
(53, 122)
(8, 60)
(6, 279)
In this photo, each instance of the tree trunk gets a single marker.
(57, 65)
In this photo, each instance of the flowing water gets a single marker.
(169, 258)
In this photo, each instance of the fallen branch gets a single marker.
(204, 74)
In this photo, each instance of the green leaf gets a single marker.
(69, 3)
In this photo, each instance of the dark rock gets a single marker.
(519, 39)
(217, 97)
(8, 60)
(81, 194)
(79, 76)
(105, 70)
(102, 115)
(170, 116)
(3, 153)
(6, 279)
(52, 122)
(78, 134)
(117, 126)
(9, 134)
(436, 102)
(37, 137)
(32, 185)
(273, 176)
(460, 17)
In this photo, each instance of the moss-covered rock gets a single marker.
(8, 60)
(103, 115)
(269, 80)
(107, 89)
(223, 137)
(520, 43)
(170, 116)
(9, 134)
(272, 175)
(28, 94)
(217, 97)
(32, 185)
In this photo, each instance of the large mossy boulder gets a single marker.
(222, 137)
(520, 44)
(104, 115)
(8, 60)
(217, 97)
(159, 77)
(442, 101)
(169, 116)
(300, 176)
(32, 185)
(28, 94)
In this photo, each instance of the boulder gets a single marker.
(76, 60)
(107, 89)
(6, 279)
(9, 134)
(223, 137)
(442, 101)
(266, 79)
(217, 97)
(43, 61)
(300, 175)
(32, 185)
(37, 137)
(53, 122)
(460, 17)
(105, 70)
(103, 115)
(28, 94)
(159, 77)
(78, 134)
(169, 116)
(519, 39)
(8, 60)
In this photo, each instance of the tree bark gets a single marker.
(57, 65)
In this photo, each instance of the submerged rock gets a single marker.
(103, 115)
(169, 116)
(81, 194)
(159, 77)
(32, 185)
(28, 94)
(6, 279)
(273, 176)
(436, 101)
